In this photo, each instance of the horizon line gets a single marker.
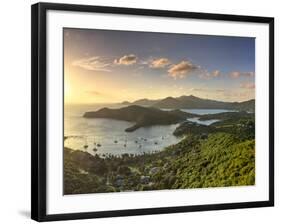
(121, 101)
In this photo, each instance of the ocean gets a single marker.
(107, 136)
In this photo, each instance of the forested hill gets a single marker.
(142, 116)
(193, 102)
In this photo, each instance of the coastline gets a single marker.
(191, 163)
(220, 154)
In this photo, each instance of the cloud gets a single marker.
(126, 60)
(182, 69)
(92, 64)
(209, 75)
(159, 63)
(216, 73)
(247, 85)
(237, 74)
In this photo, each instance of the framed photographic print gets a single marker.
(138, 111)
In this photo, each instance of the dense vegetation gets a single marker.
(223, 154)
(142, 116)
(193, 102)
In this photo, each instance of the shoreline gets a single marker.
(160, 170)
(219, 122)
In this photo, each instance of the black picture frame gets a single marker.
(39, 107)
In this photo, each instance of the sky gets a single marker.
(107, 66)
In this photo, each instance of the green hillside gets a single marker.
(198, 161)
(193, 102)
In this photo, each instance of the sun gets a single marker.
(67, 91)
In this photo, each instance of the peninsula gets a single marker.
(142, 116)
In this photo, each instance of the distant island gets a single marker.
(193, 102)
(146, 112)
(143, 116)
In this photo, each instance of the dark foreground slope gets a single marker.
(199, 161)
(142, 116)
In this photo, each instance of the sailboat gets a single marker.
(125, 145)
(95, 144)
(86, 144)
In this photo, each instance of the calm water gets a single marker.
(206, 111)
(207, 122)
(110, 133)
